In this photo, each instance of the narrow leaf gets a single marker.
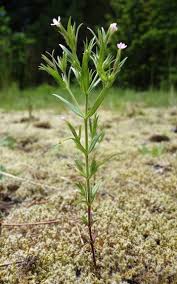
(94, 191)
(122, 62)
(79, 145)
(97, 103)
(69, 105)
(72, 129)
(80, 167)
(80, 131)
(108, 158)
(94, 141)
(93, 167)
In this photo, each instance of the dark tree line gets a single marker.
(148, 27)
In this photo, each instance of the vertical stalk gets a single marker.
(89, 208)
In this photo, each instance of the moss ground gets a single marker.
(135, 213)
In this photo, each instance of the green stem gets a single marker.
(89, 208)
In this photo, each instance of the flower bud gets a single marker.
(113, 27)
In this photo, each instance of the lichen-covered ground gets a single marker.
(135, 212)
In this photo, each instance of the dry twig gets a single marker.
(79, 233)
(48, 222)
(31, 181)
(11, 263)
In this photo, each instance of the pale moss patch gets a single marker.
(135, 212)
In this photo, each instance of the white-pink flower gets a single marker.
(62, 117)
(113, 27)
(121, 45)
(56, 22)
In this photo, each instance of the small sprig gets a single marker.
(96, 68)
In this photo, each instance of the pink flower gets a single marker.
(121, 45)
(56, 22)
(113, 27)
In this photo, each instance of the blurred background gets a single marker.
(149, 28)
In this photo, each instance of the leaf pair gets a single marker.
(98, 102)
(70, 34)
(95, 137)
(80, 167)
(94, 166)
(85, 196)
(93, 124)
(83, 192)
(53, 72)
(76, 137)
(86, 75)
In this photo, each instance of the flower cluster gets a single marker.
(112, 28)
